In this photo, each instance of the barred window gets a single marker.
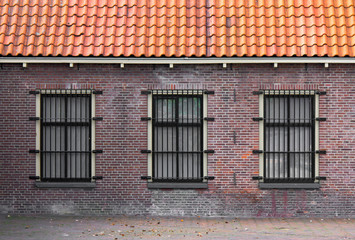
(177, 138)
(289, 136)
(66, 133)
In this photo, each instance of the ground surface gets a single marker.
(123, 227)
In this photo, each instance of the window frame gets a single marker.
(92, 144)
(204, 108)
(262, 183)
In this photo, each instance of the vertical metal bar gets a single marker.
(154, 173)
(177, 111)
(294, 142)
(304, 136)
(68, 137)
(201, 135)
(299, 135)
(266, 129)
(89, 111)
(288, 137)
(286, 140)
(274, 137)
(279, 136)
(162, 139)
(167, 137)
(188, 142)
(50, 137)
(80, 134)
(43, 137)
(313, 136)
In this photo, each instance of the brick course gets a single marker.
(122, 135)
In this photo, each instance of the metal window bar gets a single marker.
(65, 135)
(289, 139)
(177, 136)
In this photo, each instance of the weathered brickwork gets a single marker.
(122, 135)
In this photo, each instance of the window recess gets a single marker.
(65, 125)
(289, 148)
(177, 130)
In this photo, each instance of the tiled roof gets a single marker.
(176, 28)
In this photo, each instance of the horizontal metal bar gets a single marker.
(98, 118)
(146, 92)
(98, 151)
(146, 177)
(321, 178)
(209, 151)
(321, 151)
(199, 179)
(321, 119)
(34, 177)
(256, 119)
(257, 177)
(321, 92)
(34, 92)
(33, 151)
(66, 179)
(146, 151)
(65, 123)
(289, 180)
(257, 151)
(146, 118)
(66, 152)
(97, 92)
(208, 92)
(258, 92)
(175, 60)
(33, 118)
(209, 177)
(97, 177)
(209, 119)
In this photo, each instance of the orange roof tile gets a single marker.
(177, 28)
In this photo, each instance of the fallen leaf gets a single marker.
(182, 220)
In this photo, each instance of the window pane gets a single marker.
(300, 109)
(276, 110)
(78, 109)
(53, 109)
(276, 139)
(164, 110)
(190, 165)
(189, 110)
(189, 139)
(165, 139)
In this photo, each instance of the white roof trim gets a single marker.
(172, 61)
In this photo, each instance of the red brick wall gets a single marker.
(122, 135)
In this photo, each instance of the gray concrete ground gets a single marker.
(123, 227)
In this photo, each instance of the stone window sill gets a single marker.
(289, 185)
(157, 185)
(65, 184)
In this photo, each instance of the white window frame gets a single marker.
(38, 125)
(150, 126)
(261, 126)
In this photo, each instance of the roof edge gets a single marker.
(185, 60)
